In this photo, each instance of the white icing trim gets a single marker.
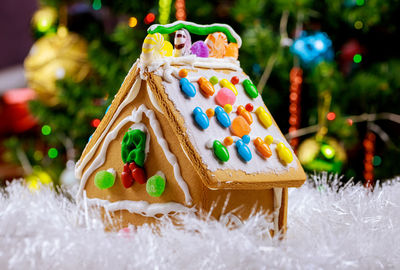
(153, 99)
(111, 170)
(141, 207)
(136, 117)
(230, 29)
(133, 92)
(277, 207)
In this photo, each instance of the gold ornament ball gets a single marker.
(322, 155)
(55, 57)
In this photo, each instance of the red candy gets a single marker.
(139, 175)
(234, 80)
(249, 107)
(126, 179)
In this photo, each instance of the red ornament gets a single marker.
(235, 80)
(149, 18)
(249, 107)
(296, 79)
(369, 148)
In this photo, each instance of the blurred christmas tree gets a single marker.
(328, 71)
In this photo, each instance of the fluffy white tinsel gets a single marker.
(346, 229)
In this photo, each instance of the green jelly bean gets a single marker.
(220, 151)
(214, 80)
(104, 179)
(155, 185)
(250, 88)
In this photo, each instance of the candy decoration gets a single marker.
(228, 141)
(197, 30)
(228, 108)
(183, 73)
(262, 148)
(243, 150)
(245, 114)
(220, 151)
(104, 179)
(250, 88)
(249, 107)
(126, 176)
(133, 146)
(139, 175)
(246, 139)
(225, 96)
(210, 112)
(214, 80)
(268, 139)
(182, 43)
(296, 79)
(222, 117)
(263, 117)
(284, 153)
(187, 87)
(216, 43)
(201, 118)
(154, 47)
(200, 49)
(227, 84)
(232, 50)
(206, 87)
(240, 127)
(155, 186)
(235, 80)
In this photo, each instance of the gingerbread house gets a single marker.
(188, 132)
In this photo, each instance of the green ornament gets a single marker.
(133, 147)
(104, 179)
(220, 151)
(214, 80)
(155, 186)
(250, 88)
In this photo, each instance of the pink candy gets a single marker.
(225, 96)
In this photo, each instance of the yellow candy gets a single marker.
(263, 117)
(228, 108)
(167, 49)
(268, 139)
(155, 47)
(229, 85)
(284, 153)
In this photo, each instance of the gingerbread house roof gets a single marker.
(219, 117)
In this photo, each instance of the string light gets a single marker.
(149, 18)
(132, 22)
(180, 13)
(164, 10)
(358, 25)
(360, 2)
(95, 123)
(331, 116)
(52, 153)
(357, 58)
(369, 148)
(46, 130)
(96, 4)
(296, 79)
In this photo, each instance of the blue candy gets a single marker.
(222, 116)
(201, 118)
(246, 139)
(187, 87)
(243, 150)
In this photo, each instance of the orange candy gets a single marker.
(210, 113)
(240, 127)
(262, 147)
(232, 50)
(245, 114)
(217, 44)
(183, 73)
(206, 87)
(228, 141)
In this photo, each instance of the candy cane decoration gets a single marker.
(294, 109)
(369, 147)
(182, 43)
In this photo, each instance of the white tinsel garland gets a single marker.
(328, 229)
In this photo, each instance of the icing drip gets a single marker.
(136, 117)
(277, 207)
(141, 207)
(130, 97)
